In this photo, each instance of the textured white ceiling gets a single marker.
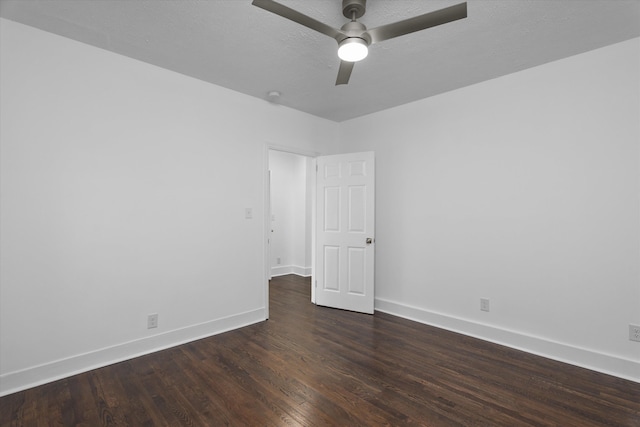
(239, 46)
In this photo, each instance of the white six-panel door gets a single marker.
(345, 231)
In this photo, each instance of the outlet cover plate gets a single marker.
(152, 321)
(634, 333)
(484, 304)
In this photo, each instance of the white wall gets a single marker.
(524, 190)
(124, 188)
(291, 225)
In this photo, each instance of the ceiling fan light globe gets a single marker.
(353, 49)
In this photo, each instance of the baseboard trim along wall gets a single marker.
(283, 270)
(584, 358)
(42, 374)
(21, 380)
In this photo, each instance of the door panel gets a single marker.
(332, 209)
(332, 268)
(356, 267)
(345, 220)
(357, 208)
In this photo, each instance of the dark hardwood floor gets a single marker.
(312, 366)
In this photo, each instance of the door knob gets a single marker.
(369, 240)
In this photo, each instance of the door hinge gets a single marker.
(316, 283)
(316, 168)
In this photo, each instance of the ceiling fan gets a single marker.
(354, 38)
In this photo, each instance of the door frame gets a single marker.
(266, 223)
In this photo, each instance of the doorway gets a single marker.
(337, 228)
(289, 207)
(290, 214)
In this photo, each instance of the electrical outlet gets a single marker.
(634, 333)
(484, 304)
(152, 321)
(278, 260)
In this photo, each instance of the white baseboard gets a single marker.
(301, 271)
(42, 374)
(595, 361)
(283, 270)
(280, 270)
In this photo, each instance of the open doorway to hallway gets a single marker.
(290, 216)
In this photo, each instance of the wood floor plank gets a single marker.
(315, 366)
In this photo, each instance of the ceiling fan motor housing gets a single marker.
(356, 29)
(354, 9)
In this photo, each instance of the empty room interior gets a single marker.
(170, 221)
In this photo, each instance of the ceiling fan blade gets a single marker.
(300, 18)
(344, 72)
(421, 22)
